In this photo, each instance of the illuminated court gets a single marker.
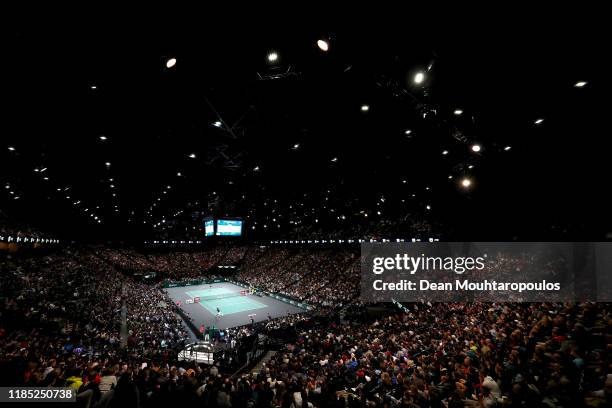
(235, 308)
(227, 305)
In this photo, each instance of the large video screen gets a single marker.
(229, 227)
(209, 228)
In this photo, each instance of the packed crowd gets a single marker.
(73, 319)
(322, 277)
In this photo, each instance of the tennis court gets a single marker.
(236, 309)
(229, 302)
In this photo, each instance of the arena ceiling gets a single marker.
(114, 130)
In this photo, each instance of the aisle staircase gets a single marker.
(267, 357)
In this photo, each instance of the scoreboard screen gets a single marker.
(209, 228)
(229, 227)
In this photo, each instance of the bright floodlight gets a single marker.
(217, 124)
(192, 156)
(171, 62)
(365, 108)
(419, 77)
(102, 137)
(476, 148)
(407, 132)
(580, 84)
(538, 121)
(445, 152)
(458, 112)
(107, 164)
(272, 57)
(11, 148)
(507, 148)
(466, 182)
(323, 45)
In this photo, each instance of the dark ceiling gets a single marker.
(66, 86)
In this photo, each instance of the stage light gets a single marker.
(94, 87)
(458, 112)
(365, 108)
(444, 152)
(507, 148)
(256, 168)
(11, 148)
(335, 159)
(538, 121)
(450, 177)
(178, 174)
(171, 62)
(476, 148)
(217, 124)
(107, 164)
(466, 182)
(428, 207)
(296, 146)
(580, 84)
(419, 78)
(471, 166)
(102, 138)
(407, 132)
(272, 57)
(192, 156)
(323, 45)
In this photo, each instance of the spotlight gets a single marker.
(458, 112)
(107, 164)
(419, 78)
(466, 182)
(335, 159)
(507, 148)
(323, 45)
(192, 156)
(11, 148)
(217, 124)
(365, 108)
(580, 84)
(408, 131)
(476, 148)
(103, 138)
(538, 121)
(171, 62)
(444, 152)
(94, 87)
(272, 57)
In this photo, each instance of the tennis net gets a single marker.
(224, 295)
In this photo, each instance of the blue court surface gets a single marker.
(227, 305)
(236, 309)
